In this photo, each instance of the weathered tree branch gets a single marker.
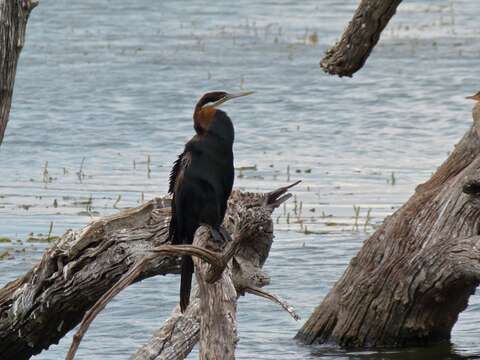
(39, 308)
(13, 23)
(198, 249)
(415, 274)
(182, 331)
(358, 40)
(218, 303)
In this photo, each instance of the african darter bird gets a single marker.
(201, 179)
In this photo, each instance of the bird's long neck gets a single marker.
(222, 128)
(203, 118)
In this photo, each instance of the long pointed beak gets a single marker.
(474, 97)
(232, 96)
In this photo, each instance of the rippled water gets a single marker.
(104, 86)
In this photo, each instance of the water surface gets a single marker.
(103, 102)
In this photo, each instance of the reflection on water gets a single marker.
(103, 103)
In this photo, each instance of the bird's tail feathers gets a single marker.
(172, 232)
(186, 282)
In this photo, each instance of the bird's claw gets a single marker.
(217, 236)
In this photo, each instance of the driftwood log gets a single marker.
(349, 54)
(415, 274)
(13, 23)
(39, 308)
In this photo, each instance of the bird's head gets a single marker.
(475, 97)
(207, 106)
(476, 111)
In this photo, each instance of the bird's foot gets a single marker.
(226, 236)
(217, 235)
(220, 235)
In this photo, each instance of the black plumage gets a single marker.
(201, 180)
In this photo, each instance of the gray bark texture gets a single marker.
(218, 306)
(39, 308)
(415, 274)
(360, 37)
(13, 23)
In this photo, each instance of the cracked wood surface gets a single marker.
(218, 305)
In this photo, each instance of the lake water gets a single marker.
(103, 102)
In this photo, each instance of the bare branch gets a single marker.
(266, 295)
(358, 40)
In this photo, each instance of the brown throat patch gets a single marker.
(204, 117)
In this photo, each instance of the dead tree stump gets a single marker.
(414, 275)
